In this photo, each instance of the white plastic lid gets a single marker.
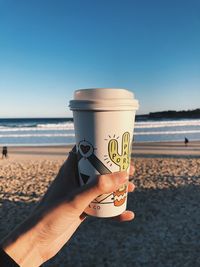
(102, 99)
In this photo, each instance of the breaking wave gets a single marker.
(161, 124)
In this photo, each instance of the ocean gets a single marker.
(60, 131)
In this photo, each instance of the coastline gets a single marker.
(143, 149)
(166, 149)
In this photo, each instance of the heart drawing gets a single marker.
(84, 148)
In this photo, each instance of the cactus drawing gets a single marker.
(123, 159)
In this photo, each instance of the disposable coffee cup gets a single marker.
(104, 123)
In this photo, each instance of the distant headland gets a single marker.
(170, 114)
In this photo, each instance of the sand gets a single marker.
(165, 232)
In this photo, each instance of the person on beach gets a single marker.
(58, 215)
(4, 152)
(186, 141)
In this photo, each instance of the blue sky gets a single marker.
(49, 48)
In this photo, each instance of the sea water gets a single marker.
(60, 131)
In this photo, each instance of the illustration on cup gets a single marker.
(120, 195)
(122, 160)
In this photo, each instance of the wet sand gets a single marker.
(148, 149)
(166, 201)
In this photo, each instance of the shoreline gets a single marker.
(143, 149)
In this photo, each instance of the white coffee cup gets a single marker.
(104, 122)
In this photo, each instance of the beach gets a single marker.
(165, 231)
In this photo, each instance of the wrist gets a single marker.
(22, 246)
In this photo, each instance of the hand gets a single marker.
(59, 214)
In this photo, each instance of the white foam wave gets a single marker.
(36, 135)
(72, 134)
(167, 132)
(159, 124)
(70, 126)
(66, 125)
(40, 127)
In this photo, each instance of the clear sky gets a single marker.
(49, 48)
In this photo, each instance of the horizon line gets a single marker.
(66, 117)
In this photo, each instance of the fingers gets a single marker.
(73, 149)
(125, 216)
(68, 174)
(103, 184)
(131, 187)
(72, 157)
(132, 170)
(65, 182)
(111, 182)
(72, 164)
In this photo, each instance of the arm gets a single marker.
(58, 215)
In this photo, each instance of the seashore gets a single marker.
(165, 231)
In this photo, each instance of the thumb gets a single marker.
(103, 184)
